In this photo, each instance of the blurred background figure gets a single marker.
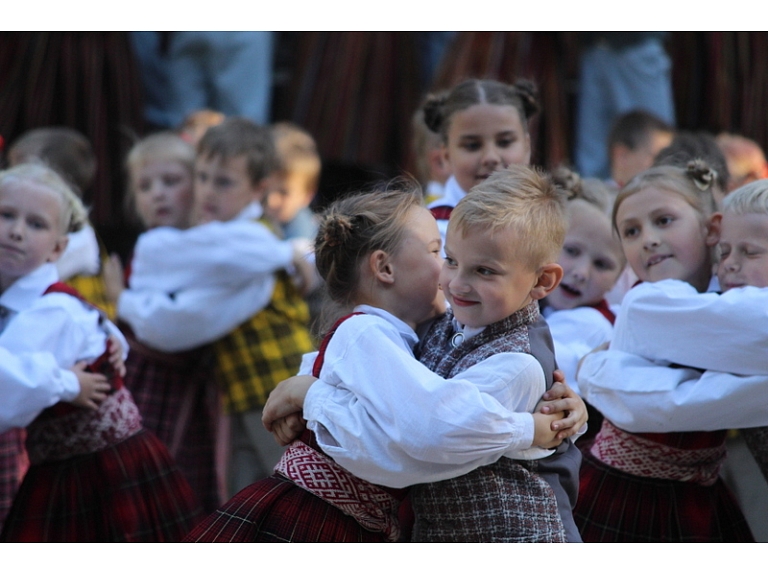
(745, 159)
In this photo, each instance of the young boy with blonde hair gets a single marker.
(501, 247)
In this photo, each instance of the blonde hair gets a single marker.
(693, 184)
(297, 152)
(525, 199)
(73, 215)
(159, 147)
(749, 199)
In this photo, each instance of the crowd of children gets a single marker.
(181, 394)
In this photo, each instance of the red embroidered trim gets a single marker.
(442, 212)
(645, 458)
(371, 506)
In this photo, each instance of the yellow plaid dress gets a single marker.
(264, 350)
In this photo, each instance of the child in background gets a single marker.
(432, 170)
(484, 127)
(724, 396)
(633, 143)
(493, 281)
(745, 158)
(196, 124)
(659, 486)
(94, 475)
(71, 155)
(175, 392)
(577, 312)
(379, 255)
(223, 282)
(287, 203)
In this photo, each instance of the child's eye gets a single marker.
(450, 261)
(484, 271)
(604, 265)
(630, 232)
(6, 214)
(725, 251)
(505, 142)
(571, 251)
(171, 180)
(471, 146)
(222, 182)
(37, 224)
(664, 220)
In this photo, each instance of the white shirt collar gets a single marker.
(408, 335)
(252, 211)
(453, 193)
(466, 332)
(25, 290)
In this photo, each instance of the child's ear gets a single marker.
(549, 278)
(58, 249)
(713, 229)
(381, 267)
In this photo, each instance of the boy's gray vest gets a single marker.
(508, 500)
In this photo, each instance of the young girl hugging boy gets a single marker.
(661, 486)
(95, 475)
(723, 396)
(484, 127)
(499, 262)
(379, 255)
(224, 282)
(175, 392)
(577, 312)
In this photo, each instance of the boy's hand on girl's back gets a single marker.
(562, 399)
(305, 277)
(94, 387)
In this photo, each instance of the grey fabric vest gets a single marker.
(505, 501)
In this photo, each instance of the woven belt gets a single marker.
(645, 458)
(371, 506)
(83, 431)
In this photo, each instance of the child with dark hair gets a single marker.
(633, 142)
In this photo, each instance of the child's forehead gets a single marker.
(31, 193)
(237, 162)
(750, 226)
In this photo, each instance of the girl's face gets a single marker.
(30, 229)
(591, 259)
(416, 266)
(163, 191)
(484, 138)
(664, 237)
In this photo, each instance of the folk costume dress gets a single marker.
(665, 486)
(423, 428)
(310, 498)
(94, 475)
(442, 207)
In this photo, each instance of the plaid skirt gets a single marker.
(276, 510)
(178, 401)
(615, 506)
(13, 466)
(128, 492)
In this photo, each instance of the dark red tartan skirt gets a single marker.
(129, 492)
(276, 510)
(614, 507)
(13, 465)
(158, 383)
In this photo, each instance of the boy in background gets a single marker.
(633, 142)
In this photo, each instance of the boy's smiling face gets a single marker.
(483, 277)
(223, 188)
(744, 251)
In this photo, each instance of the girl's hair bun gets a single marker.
(701, 174)
(568, 181)
(337, 230)
(529, 96)
(433, 111)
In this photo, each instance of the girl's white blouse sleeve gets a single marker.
(29, 383)
(669, 321)
(640, 395)
(388, 419)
